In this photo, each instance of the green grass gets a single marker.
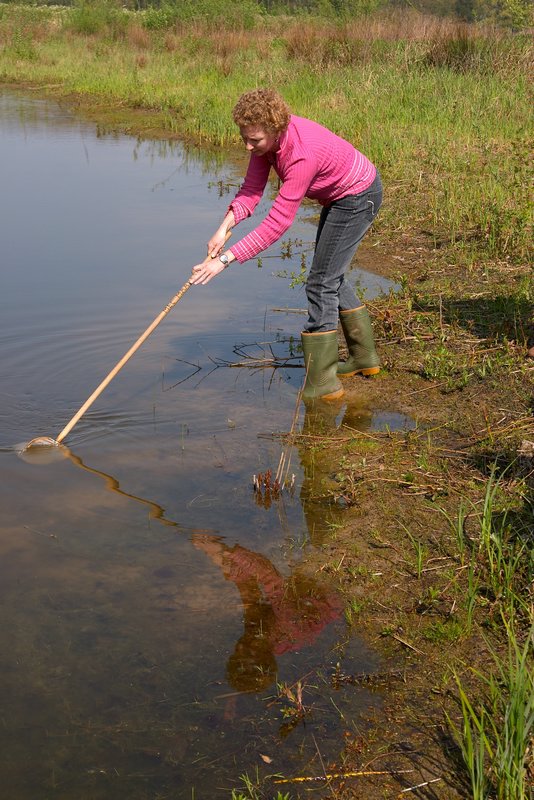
(497, 715)
(494, 735)
(439, 631)
(497, 552)
(254, 789)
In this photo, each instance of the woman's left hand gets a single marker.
(203, 273)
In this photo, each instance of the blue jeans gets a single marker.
(342, 226)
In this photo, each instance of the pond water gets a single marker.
(152, 607)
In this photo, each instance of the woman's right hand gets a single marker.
(203, 273)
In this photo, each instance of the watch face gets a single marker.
(224, 259)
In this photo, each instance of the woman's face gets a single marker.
(257, 140)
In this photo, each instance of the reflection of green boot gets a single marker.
(320, 418)
(320, 360)
(363, 357)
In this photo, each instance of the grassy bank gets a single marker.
(430, 530)
(442, 108)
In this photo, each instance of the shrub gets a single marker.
(90, 17)
(324, 46)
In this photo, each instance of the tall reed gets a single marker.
(495, 736)
(498, 570)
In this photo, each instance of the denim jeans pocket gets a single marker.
(374, 201)
(367, 203)
(352, 205)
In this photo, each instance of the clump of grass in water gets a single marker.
(252, 790)
(267, 488)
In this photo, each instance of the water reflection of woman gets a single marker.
(311, 161)
(280, 614)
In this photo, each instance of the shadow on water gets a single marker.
(44, 456)
(160, 630)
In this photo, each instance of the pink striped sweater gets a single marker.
(311, 161)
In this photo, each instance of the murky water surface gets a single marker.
(150, 607)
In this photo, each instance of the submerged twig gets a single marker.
(322, 762)
(291, 310)
(260, 363)
(333, 775)
(285, 460)
(263, 361)
(420, 785)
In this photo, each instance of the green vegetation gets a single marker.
(252, 790)
(500, 570)
(495, 732)
(495, 735)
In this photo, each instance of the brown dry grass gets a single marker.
(226, 47)
(411, 25)
(171, 42)
(138, 37)
(426, 40)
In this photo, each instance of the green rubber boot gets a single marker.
(363, 357)
(320, 360)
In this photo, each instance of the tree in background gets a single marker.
(513, 13)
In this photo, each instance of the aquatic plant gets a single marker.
(253, 789)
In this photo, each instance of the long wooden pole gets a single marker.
(126, 357)
(90, 400)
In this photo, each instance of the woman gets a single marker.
(312, 162)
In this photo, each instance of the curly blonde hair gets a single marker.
(263, 108)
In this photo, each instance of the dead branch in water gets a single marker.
(249, 361)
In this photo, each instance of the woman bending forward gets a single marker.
(312, 162)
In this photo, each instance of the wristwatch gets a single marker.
(224, 259)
